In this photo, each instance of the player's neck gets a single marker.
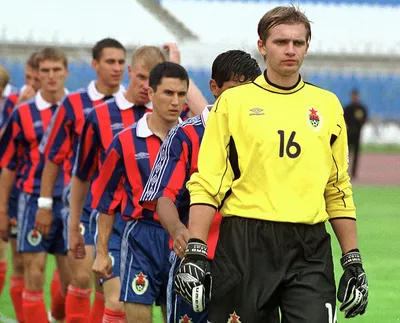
(53, 97)
(105, 89)
(282, 80)
(158, 126)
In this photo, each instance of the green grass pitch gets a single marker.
(378, 210)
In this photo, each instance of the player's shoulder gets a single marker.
(320, 92)
(12, 98)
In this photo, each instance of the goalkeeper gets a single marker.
(273, 160)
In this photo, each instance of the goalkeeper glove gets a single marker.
(353, 285)
(193, 279)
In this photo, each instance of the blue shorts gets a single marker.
(114, 244)
(29, 240)
(87, 225)
(144, 263)
(13, 212)
(177, 309)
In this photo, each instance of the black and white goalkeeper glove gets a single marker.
(193, 279)
(353, 285)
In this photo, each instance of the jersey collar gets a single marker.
(95, 95)
(7, 91)
(142, 126)
(42, 104)
(124, 104)
(205, 113)
(266, 84)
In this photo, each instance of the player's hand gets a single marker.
(353, 285)
(102, 266)
(44, 219)
(76, 243)
(174, 55)
(193, 279)
(4, 225)
(181, 238)
(26, 94)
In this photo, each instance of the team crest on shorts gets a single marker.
(34, 237)
(140, 284)
(234, 318)
(185, 319)
(13, 226)
(82, 229)
(314, 119)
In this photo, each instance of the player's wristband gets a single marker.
(352, 257)
(196, 248)
(45, 203)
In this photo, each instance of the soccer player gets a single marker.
(101, 125)
(165, 190)
(278, 172)
(144, 249)
(4, 79)
(59, 147)
(22, 161)
(32, 85)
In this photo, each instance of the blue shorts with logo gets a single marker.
(177, 309)
(30, 240)
(114, 245)
(13, 212)
(144, 263)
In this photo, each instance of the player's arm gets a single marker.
(9, 144)
(107, 191)
(208, 187)
(86, 165)
(353, 285)
(5, 113)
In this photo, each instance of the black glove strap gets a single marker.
(352, 257)
(196, 248)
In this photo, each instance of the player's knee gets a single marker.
(18, 266)
(34, 276)
(81, 279)
(138, 313)
(113, 303)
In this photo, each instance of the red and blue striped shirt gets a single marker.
(61, 140)
(125, 171)
(19, 145)
(175, 163)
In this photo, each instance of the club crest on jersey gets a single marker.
(314, 119)
(140, 284)
(185, 319)
(234, 318)
(34, 237)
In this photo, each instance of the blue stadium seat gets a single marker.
(379, 92)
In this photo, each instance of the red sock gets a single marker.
(16, 288)
(77, 305)
(57, 298)
(33, 306)
(3, 272)
(96, 314)
(113, 317)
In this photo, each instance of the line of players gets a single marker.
(74, 167)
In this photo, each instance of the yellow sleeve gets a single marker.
(215, 176)
(338, 192)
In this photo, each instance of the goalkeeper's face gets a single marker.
(285, 48)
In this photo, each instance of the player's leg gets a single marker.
(17, 280)
(77, 307)
(308, 291)
(246, 273)
(114, 309)
(3, 263)
(144, 269)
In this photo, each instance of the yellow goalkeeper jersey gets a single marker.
(276, 154)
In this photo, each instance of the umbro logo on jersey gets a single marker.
(117, 126)
(86, 111)
(256, 112)
(142, 155)
(37, 124)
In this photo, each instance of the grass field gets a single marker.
(378, 212)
